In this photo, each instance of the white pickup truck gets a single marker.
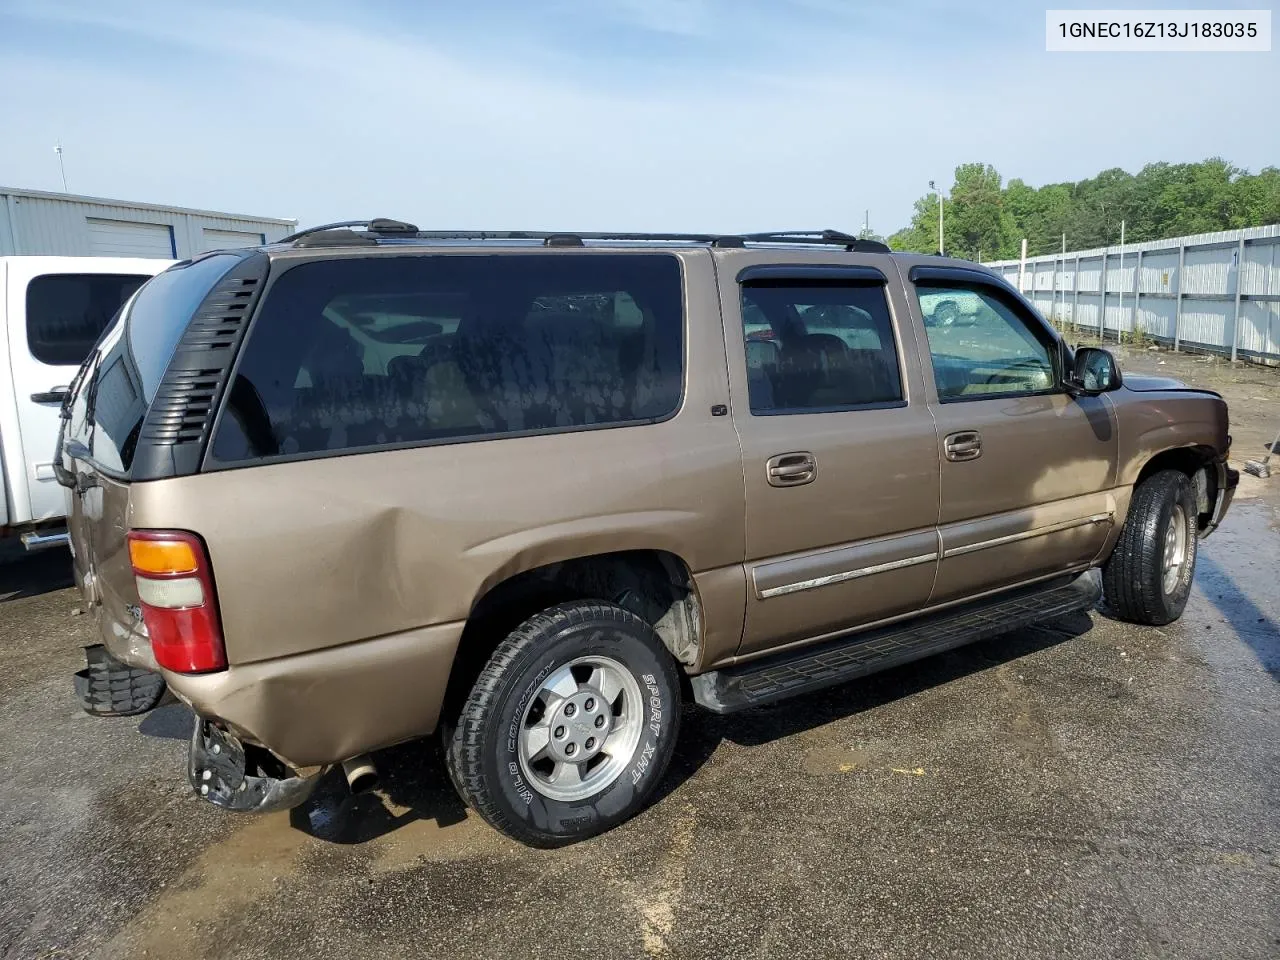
(52, 311)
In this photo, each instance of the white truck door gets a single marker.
(56, 307)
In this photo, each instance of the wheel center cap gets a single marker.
(579, 726)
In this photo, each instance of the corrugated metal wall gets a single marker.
(1212, 291)
(32, 222)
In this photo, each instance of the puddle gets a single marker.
(836, 758)
(232, 873)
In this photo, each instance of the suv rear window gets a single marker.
(67, 312)
(385, 351)
(109, 408)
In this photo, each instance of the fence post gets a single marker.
(1137, 292)
(1063, 297)
(1177, 314)
(1102, 301)
(1075, 292)
(1235, 330)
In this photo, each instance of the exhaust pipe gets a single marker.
(361, 774)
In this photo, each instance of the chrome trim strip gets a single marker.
(1026, 535)
(846, 575)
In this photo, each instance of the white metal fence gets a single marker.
(1218, 292)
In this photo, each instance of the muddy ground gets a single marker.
(1081, 789)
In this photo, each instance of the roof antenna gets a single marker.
(57, 148)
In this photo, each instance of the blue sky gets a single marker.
(592, 114)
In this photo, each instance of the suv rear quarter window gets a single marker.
(385, 351)
(112, 401)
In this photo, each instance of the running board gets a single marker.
(859, 654)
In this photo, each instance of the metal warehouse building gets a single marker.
(61, 224)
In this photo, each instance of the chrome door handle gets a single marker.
(964, 445)
(791, 469)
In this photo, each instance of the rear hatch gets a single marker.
(103, 432)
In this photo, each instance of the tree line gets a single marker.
(987, 218)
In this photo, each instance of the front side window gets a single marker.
(368, 352)
(983, 346)
(67, 312)
(815, 347)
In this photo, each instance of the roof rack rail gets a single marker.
(340, 234)
(378, 226)
(847, 240)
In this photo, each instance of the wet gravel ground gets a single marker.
(1080, 789)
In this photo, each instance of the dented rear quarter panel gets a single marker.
(320, 553)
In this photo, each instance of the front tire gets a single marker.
(1147, 578)
(570, 726)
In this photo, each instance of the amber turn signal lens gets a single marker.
(158, 557)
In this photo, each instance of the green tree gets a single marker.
(922, 235)
(977, 218)
(1258, 198)
(1161, 200)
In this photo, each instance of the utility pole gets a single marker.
(941, 247)
(58, 150)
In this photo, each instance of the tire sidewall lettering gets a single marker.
(615, 801)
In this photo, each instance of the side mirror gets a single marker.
(1094, 371)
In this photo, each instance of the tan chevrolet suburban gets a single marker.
(533, 491)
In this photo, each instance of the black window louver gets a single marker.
(180, 418)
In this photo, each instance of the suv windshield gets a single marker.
(108, 410)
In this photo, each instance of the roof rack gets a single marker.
(341, 232)
(847, 240)
(383, 229)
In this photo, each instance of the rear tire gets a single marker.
(569, 727)
(1147, 578)
(109, 688)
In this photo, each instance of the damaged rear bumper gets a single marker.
(229, 775)
(321, 707)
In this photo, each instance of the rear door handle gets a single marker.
(963, 445)
(56, 395)
(791, 469)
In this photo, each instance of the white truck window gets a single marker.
(67, 312)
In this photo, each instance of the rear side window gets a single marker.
(67, 312)
(819, 347)
(351, 354)
(108, 412)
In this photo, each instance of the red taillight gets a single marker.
(179, 606)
